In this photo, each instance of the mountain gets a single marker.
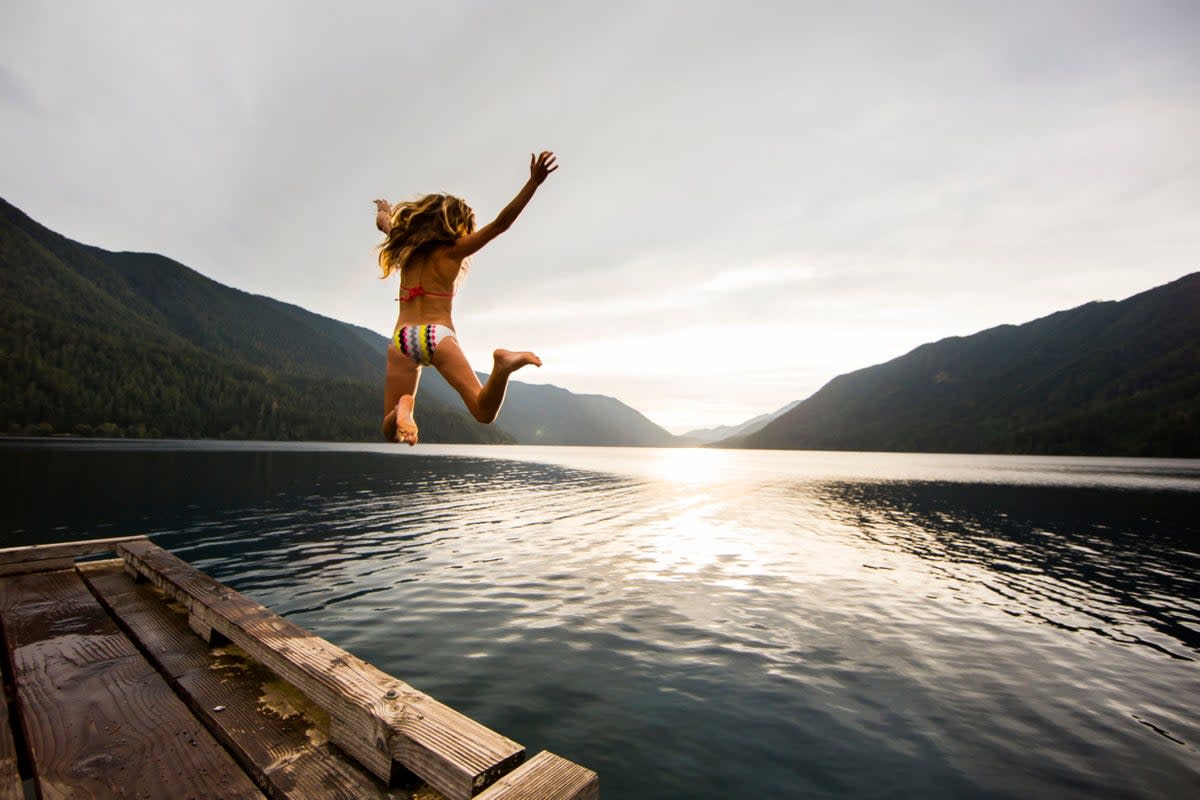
(138, 344)
(710, 435)
(1106, 378)
(543, 414)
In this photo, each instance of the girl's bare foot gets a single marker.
(509, 361)
(406, 426)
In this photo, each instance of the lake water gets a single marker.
(712, 624)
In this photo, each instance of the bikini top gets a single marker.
(413, 292)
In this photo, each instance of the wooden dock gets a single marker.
(139, 676)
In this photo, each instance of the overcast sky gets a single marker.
(753, 197)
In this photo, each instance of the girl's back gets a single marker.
(427, 287)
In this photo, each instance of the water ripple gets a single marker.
(833, 624)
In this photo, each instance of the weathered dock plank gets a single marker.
(40, 565)
(278, 736)
(10, 776)
(42, 557)
(99, 721)
(546, 777)
(375, 717)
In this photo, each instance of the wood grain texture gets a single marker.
(276, 734)
(546, 777)
(36, 565)
(99, 721)
(63, 550)
(10, 776)
(149, 616)
(374, 717)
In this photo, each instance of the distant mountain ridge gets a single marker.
(1106, 378)
(545, 414)
(139, 344)
(710, 435)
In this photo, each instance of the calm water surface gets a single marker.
(695, 623)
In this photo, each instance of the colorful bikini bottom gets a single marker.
(419, 342)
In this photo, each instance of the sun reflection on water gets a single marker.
(687, 542)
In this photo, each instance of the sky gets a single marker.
(753, 197)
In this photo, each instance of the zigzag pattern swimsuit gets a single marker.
(419, 342)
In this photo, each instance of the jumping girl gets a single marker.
(429, 242)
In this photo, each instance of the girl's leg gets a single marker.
(482, 401)
(399, 395)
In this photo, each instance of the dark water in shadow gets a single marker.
(706, 624)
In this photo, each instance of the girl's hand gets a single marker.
(383, 216)
(541, 166)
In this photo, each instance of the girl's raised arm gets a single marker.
(540, 167)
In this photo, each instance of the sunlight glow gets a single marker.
(690, 466)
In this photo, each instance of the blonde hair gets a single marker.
(420, 225)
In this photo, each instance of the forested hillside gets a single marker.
(134, 344)
(1106, 378)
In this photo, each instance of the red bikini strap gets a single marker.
(413, 292)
